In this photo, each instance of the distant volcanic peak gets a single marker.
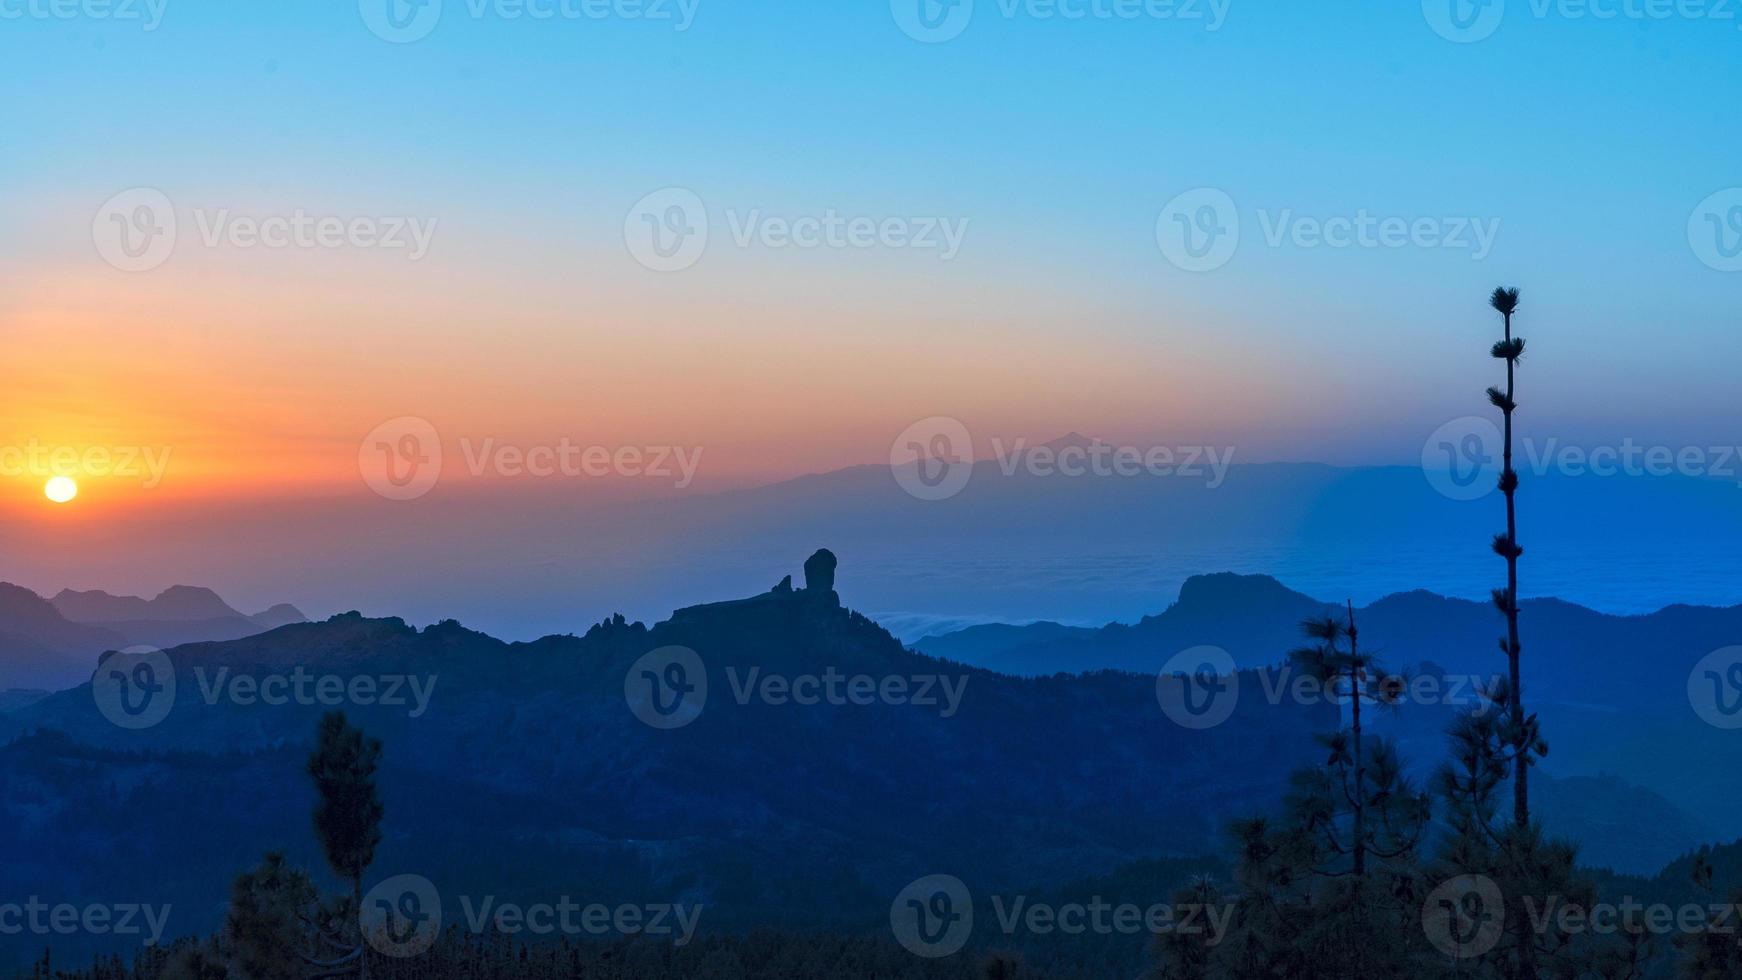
(1073, 440)
(178, 603)
(1228, 589)
(99, 606)
(283, 614)
(17, 593)
(191, 602)
(18, 602)
(1414, 599)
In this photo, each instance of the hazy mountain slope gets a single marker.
(1612, 690)
(1028, 780)
(16, 698)
(179, 614)
(173, 633)
(1616, 824)
(55, 643)
(26, 615)
(41, 648)
(1082, 551)
(1253, 617)
(282, 614)
(178, 603)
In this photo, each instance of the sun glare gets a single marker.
(61, 489)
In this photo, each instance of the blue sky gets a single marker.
(1585, 142)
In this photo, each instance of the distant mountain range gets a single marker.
(1612, 690)
(1008, 548)
(54, 643)
(769, 810)
(765, 809)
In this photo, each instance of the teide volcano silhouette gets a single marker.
(828, 766)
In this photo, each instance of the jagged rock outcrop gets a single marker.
(819, 586)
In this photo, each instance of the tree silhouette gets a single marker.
(1000, 966)
(268, 923)
(1332, 888)
(1521, 730)
(1342, 785)
(347, 817)
(1710, 954)
(1500, 741)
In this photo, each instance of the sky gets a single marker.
(1016, 176)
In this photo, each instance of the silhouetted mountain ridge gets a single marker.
(852, 800)
(1612, 690)
(178, 603)
(55, 642)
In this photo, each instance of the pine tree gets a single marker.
(347, 817)
(1712, 954)
(273, 909)
(1331, 889)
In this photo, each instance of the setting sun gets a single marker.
(61, 489)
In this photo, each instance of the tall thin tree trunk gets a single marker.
(1360, 767)
(362, 940)
(1522, 740)
(1509, 484)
